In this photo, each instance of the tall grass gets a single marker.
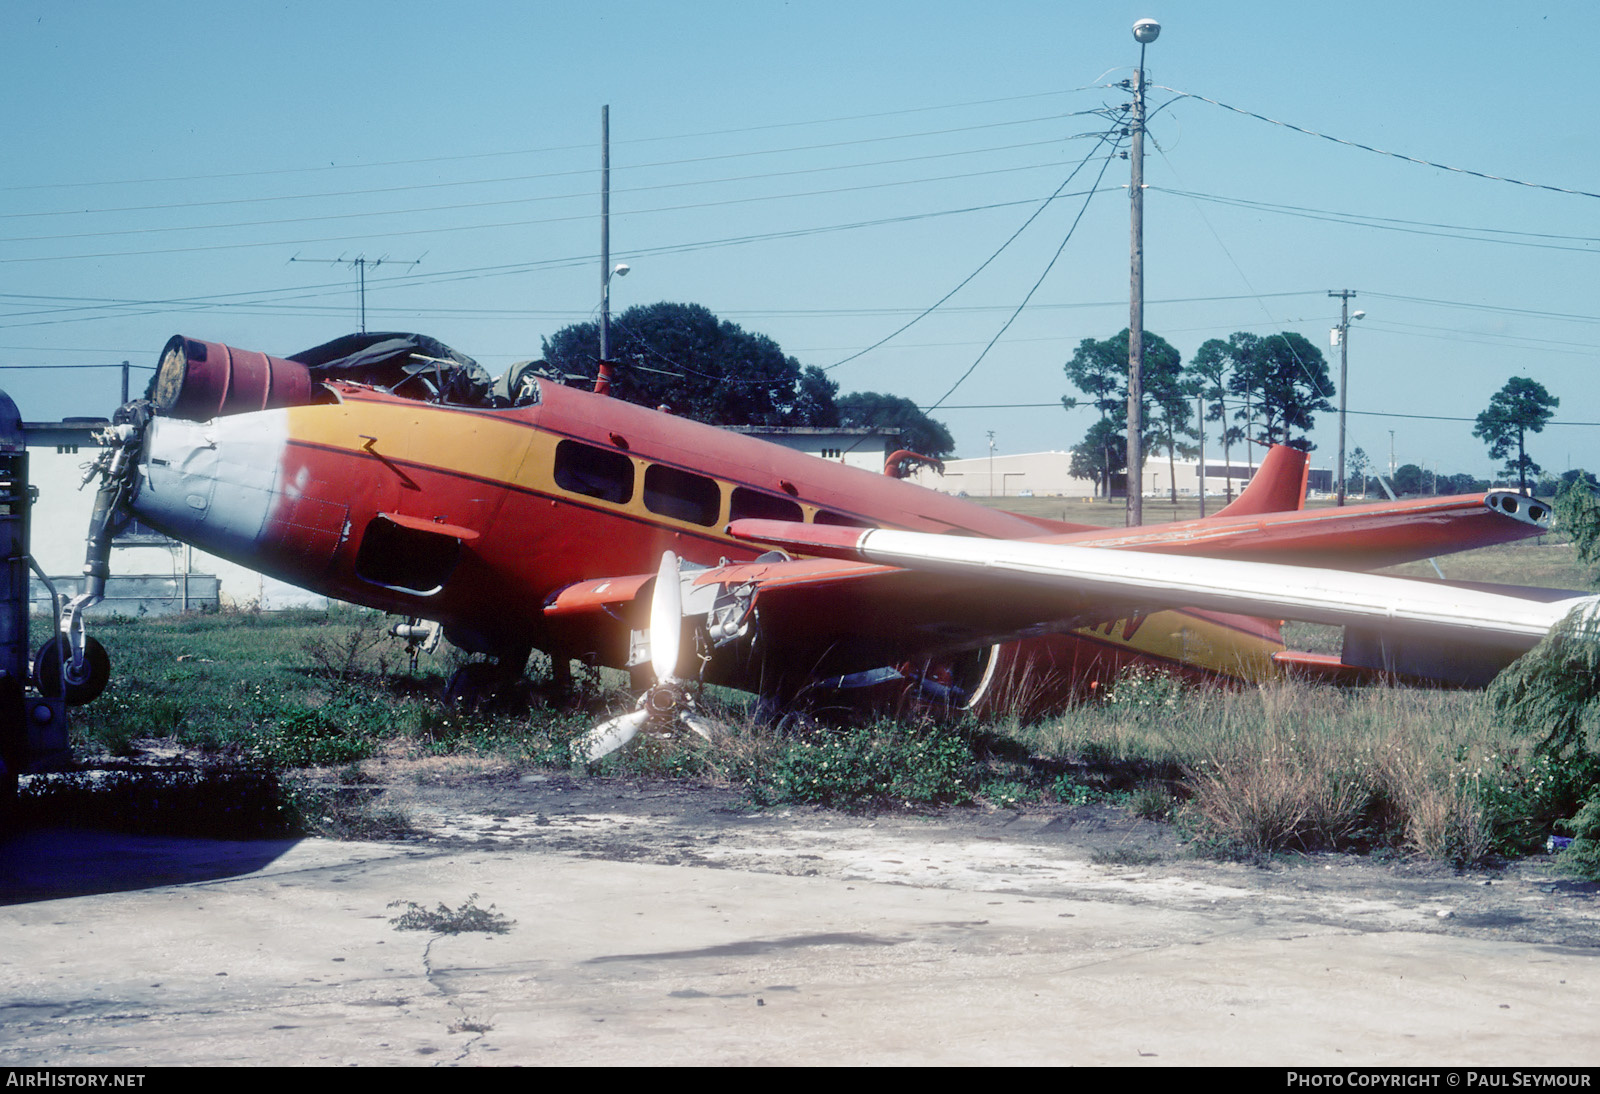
(1284, 767)
(1292, 766)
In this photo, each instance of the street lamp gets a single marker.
(1341, 338)
(1145, 31)
(602, 382)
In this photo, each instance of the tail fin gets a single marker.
(1278, 486)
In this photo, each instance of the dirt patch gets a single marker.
(1092, 852)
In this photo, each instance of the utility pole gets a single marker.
(991, 463)
(360, 263)
(1200, 424)
(602, 380)
(602, 383)
(1342, 340)
(1145, 31)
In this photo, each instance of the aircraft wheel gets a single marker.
(47, 671)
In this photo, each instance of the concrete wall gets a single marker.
(149, 575)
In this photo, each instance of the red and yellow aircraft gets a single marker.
(389, 471)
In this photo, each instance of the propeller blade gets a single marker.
(608, 736)
(666, 619)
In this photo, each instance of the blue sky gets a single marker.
(819, 172)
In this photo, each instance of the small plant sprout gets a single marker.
(467, 919)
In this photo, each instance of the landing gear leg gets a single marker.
(487, 685)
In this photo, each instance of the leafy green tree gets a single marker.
(1410, 479)
(1286, 379)
(1523, 406)
(920, 432)
(1099, 369)
(1359, 462)
(1462, 483)
(1212, 368)
(682, 356)
(1101, 454)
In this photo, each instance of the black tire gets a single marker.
(47, 672)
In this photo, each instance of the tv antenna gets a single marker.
(360, 263)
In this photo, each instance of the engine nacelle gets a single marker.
(199, 381)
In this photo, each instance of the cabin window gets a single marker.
(595, 472)
(398, 557)
(824, 516)
(754, 504)
(681, 495)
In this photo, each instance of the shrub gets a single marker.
(1582, 856)
(880, 763)
(337, 732)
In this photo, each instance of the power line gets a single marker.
(509, 224)
(535, 178)
(1380, 151)
(530, 200)
(1035, 288)
(532, 151)
(1395, 224)
(982, 266)
(1365, 413)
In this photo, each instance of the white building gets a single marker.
(1049, 474)
(150, 572)
(865, 447)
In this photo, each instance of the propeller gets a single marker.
(667, 702)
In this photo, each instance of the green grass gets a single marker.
(1282, 767)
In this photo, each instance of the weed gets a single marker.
(1068, 788)
(880, 763)
(339, 731)
(341, 654)
(1522, 796)
(1146, 690)
(1152, 801)
(1124, 856)
(344, 813)
(1006, 793)
(467, 919)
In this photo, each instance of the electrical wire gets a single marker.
(1050, 266)
(508, 269)
(508, 224)
(1362, 413)
(965, 281)
(534, 151)
(1380, 151)
(579, 171)
(533, 199)
(1395, 224)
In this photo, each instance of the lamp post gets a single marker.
(1341, 335)
(602, 380)
(1145, 31)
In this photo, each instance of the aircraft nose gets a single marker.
(212, 484)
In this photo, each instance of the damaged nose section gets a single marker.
(211, 484)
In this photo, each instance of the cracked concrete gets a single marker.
(658, 928)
